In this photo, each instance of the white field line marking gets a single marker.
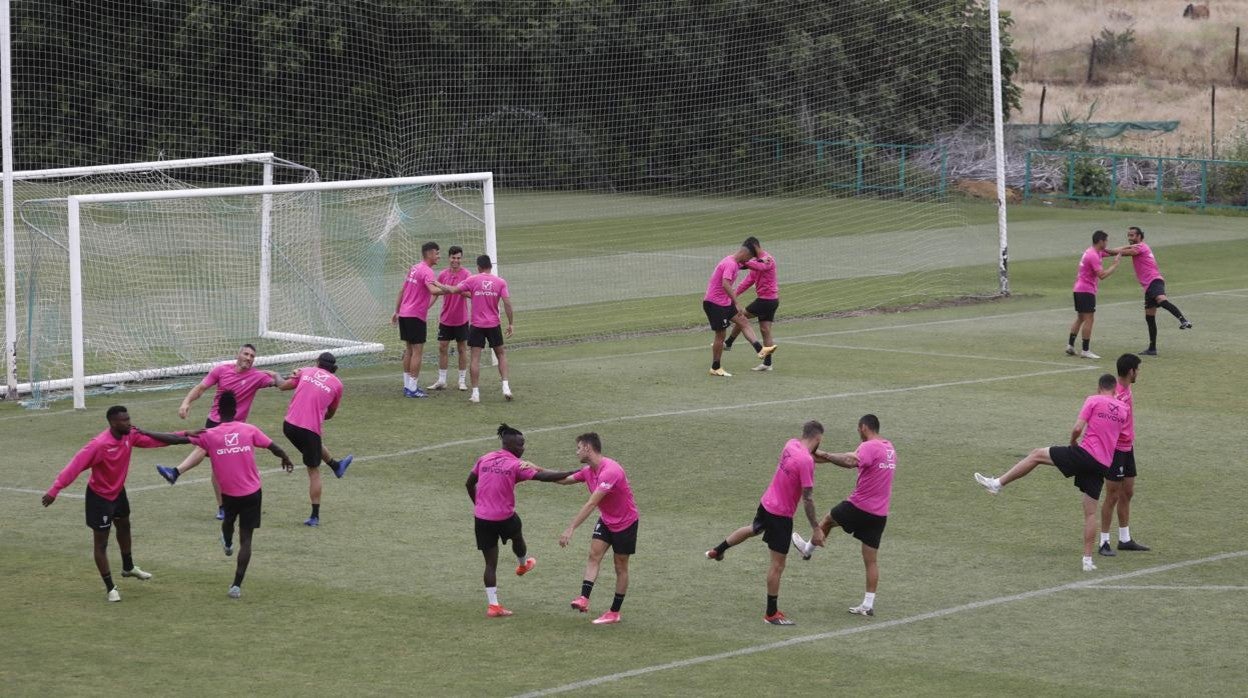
(1166, 587)
(27, 490)
(121, 395)
(1227, 294)
(874, 626)
(193, 481)
(930, 353)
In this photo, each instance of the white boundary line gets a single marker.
(873, 626)
(27, 490)
(914, 352)
(1165, 587)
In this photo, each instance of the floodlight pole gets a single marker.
(998, 139)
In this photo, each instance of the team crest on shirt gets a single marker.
(231, 439)
(487, 285)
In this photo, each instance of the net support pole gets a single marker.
(491, 233)
(266, 250)
(75, 304)
(998, 140)
(10, 253)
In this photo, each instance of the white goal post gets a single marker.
(266, 329)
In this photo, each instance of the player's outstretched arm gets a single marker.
(277, 451)
(194, 394)
(844, 460)
(1106, 272)
(566, 536)
(166, 439)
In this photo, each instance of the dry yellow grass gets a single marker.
(1167, 76)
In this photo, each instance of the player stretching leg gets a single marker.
(1120, 479)
(762, 276)
(1149, 276)
(1088, 276)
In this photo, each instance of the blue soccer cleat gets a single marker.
(170, 474)
(312, 521)
(341, 468)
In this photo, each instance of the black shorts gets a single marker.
(622, 542)
(720, 316)
(246, 508)
(1085, 302)
(413, 330)
(453, 333)
(1075, 462)
(777, 530)
(1156, 287)
(1123, 466)
(102, 512)
(489, 533)
(865, 526)
(479, 336)
(764, 309)
(306, 441)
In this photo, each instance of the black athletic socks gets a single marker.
(316, 510)
(772, 603)
(587, 587)
(127, 561)
(1086, 343)
(721, 549)
(617, 602)
(1071, 341)
(1152, 331)
(108, 582)
(1172, 309)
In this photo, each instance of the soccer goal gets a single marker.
(167, 283)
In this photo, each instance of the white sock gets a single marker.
(1087, 559)
(506, 387)
(407, 381)
(1124, 534)
(463, 376)
(491, 593)
(1104, 538)
(441, 375)
(476, 392)
(415, 383)
(868, 599)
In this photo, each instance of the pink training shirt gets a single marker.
(108, 457)
(617, 507)
(877, 461)
(763, 275)
(231, 449)
(794, 471)
(1145, 265)
(1105, 418)
(244, 385)
(487, 291)
(454, 306)
(497, 474)
(726, 270)
(1086, 279)
(1126, 438)
(316, 390)
(416, 297)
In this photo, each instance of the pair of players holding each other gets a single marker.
(1091, 273)
(482, 327)
(491, 487)
(723, 308)
(863, 514)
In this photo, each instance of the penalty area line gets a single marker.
(874, 626)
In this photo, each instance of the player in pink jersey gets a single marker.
(723, 308)
(1087, 277)
(1100, 422)
(107, 456)
(486, 291)
(618, 521)
(411, 312)
(1120, 479)
(240, 378)
(492, 488)
(453, 320)
(1149, 276)
(231, 449)
(865, 513)
(762, 276)
(793, 481)
(318, 392)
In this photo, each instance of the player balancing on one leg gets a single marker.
(762, 276)
(486, 291)
(723, 308)
(618, 521)
(1120, 479)
(794, 480)
(1087, 278)
(318, 392)
(107, 456)
(865, 513)
(411, 309)
(1149, 276)
(240, 378)
(1100, 421)
(231, 449)
(492, 488)
(453, 320)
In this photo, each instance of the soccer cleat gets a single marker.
(507, 395)
(220, 513)
(777, 618)
(766, 351)
(1131, 545)
(496, 610)
(463, 386)
(721, 373)
(440, 385)
(727, 346)
(1106, 550)
(581, 603)
(137, 574)
(992, 484)
(607, 618)
(114, 595)
(1185, 324)
(1070, 350)
(312, 521)
(235, 592)
(713, 554)
(761, 367)
(407, 392)
(1089, 355)
(862, 610)
(226, 547)
(171, 476)
(341, 468)
(529, 564)
(415, 392)
(474, 398)
(1149, 352)
(1089, 566)
(806, 549)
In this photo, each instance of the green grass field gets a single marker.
(979, 595)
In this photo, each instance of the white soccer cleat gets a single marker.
(805, 548)
(114, 595)
(474, 398)
(862, 610)
(1070, 350)
(992, 484)
(463, 386)
(440, 385)
(137, 573)
(1088, 355)
(1089, 566)
(761, 367)
(235, 592)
